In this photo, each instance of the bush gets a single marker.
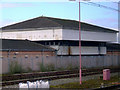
(15, 68)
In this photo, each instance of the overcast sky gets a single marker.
(13, 12)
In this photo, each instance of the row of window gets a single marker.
(51, 43)
(25, 56)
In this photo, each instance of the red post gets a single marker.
(80, 72)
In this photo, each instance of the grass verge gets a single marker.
(93, 83)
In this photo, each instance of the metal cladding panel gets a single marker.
(99, 36)
(74, 50)
(103, 50)
(84, 50)
(55, 47)
(89, 36)
(34, 35)
(70, 34)
(63, 50)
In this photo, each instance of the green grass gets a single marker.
(93, 83)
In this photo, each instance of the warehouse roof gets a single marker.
(22, 45)
(50, 22)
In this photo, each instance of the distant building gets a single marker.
(113, 49)
(62, 35)
(24, 49)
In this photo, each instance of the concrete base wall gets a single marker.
(61, 62)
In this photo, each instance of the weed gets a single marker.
(60, 69)
(50, 67)
(44, 68)
(29, 69)
(15, 68)
(69, 67)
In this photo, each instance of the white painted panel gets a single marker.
(89, 36)
(34, 35)
(59, 34)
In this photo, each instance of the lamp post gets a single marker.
(118, 39)
(80, 71)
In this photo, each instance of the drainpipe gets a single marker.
(9, 59)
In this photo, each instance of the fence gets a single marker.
(38, 63)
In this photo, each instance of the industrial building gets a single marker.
(63, 35)
(24, 48)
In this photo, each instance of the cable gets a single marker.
(101, 6)
(104, 6)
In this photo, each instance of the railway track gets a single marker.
(17, 78)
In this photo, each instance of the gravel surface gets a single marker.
(68, 80)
